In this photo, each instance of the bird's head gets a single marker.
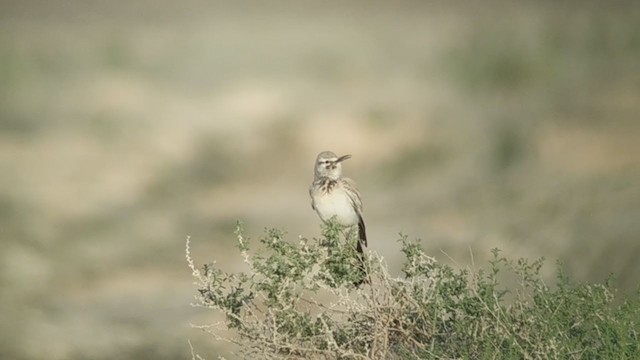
(329, 165)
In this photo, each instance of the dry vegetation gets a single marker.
(298, 301)
(126, 126)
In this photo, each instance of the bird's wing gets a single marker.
(313, 206)
(354, 194)
(356, 201)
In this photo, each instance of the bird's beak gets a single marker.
(342, 158)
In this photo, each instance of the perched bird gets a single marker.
(333, 195)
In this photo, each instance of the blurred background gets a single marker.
(126, 126)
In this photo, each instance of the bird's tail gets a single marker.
(362, 242)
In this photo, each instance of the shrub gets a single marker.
(298, 301)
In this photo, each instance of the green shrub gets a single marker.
(298, 301)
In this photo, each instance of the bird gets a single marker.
(334, 196)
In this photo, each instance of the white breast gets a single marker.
(336, 204)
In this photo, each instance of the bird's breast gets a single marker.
(338, 204)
